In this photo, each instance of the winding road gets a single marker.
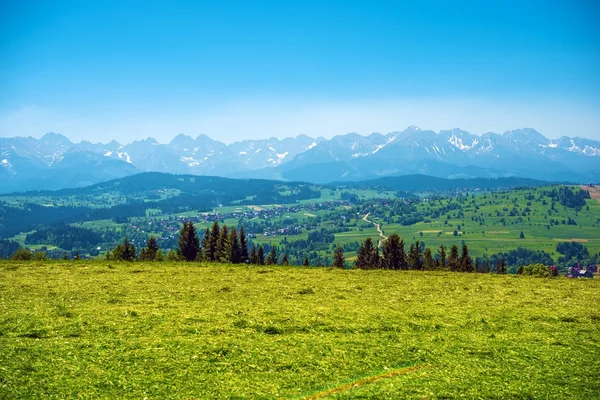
(383, 237)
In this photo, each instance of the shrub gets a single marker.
(538, 270)
(22, 255)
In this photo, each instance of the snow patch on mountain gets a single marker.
(458, 142)
(123, 155)
(192, 162)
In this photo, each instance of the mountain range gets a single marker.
(54, 162)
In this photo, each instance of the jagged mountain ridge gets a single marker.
(54, 161)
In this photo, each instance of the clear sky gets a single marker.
(126, 70)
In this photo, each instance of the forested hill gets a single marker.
(234, 188)
(152, 181)
(424, 183)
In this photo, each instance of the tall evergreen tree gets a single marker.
(149, 252)
(338, 259)
(205, 244)
(466, 262)
(501, 266)
(271, 257)
(284, 260)
(453, 260)
(428, 261)
(364, 256)
(233, 247)
(243, 245)
(441, 262)
(222, 245)
(367, 255)
(253, 257)
(124, 252)
(306, 263)
(415, 258)
(260, 255)
(393, 256)
(210, 251)
(189, 244)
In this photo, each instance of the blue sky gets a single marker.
(251, 69)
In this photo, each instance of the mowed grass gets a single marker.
(100, 330)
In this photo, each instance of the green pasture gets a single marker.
(169, 331)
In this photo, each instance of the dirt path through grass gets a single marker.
(383, 237)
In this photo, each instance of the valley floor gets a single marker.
(146, 330)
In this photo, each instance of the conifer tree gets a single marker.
(188, 244)
(210, 252)
(338, 259)
(501, 266)
(233, 247)
(441, 262)
(415, 258)
(375, 260)
(453, 260)
(363, 255)
(367, 255)
(284, 260)
(271, 257)
(260, 255)
(205, 244)
(148, 253)
(243, 245)
(222, 246)
(124, 252)
(466, 262)
(306, 263)
(253, 257)
(428, 261)
(393, 256)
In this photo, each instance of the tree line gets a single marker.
(419, 257)
(217, 244)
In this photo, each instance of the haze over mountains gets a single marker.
(54, 162)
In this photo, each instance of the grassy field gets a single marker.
(100, 330)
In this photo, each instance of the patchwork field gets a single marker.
(143, 330)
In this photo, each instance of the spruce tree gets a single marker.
(363, 255)
(284, 260)
(415, 258)
(271, 257)
(148, 253)
(306, 263)
(501, 266)
(233, 247)
(338, 259)
(374, 259)
(441, 262)
(253, 257)
(393, 256)
(260, 255)
(428, 261)
(222, 254)
(243, 245)
(466, 262)
(205, 244)
(453, 260)
(210, 252)
(188, 244)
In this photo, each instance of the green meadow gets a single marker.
(160, 330)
